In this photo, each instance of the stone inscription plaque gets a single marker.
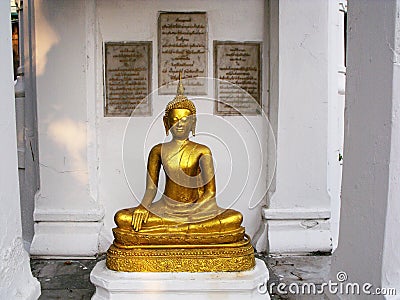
(182, 46)
(127, 78)
(240, 64)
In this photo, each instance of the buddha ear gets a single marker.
(166, 125)
(194, 125)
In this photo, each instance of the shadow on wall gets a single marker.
(71, 136)
(48, 37)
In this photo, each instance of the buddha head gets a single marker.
(180, 115)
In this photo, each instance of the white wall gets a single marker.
(227, 20)
(16, 280)
(27, 122)
(305, 115)
(84, 175)
(81, 163)
(67, 212)
(336, 90)
(369, 222)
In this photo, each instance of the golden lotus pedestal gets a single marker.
(225, 257)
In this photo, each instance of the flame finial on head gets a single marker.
(181, 89)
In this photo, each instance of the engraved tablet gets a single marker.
(240, 64)
(182, 46)
(127, 78)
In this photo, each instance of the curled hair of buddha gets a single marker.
(180, 101)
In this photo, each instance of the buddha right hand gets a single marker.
(140, 216)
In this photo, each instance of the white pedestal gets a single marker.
(163, 286)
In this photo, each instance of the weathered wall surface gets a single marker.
(305, 112)
(83, 170)
(16, 280)
(67, 212)
(369, 236)
(91, 165)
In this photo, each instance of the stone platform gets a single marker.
(164, 286)
(69, 279)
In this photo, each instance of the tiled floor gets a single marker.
(297, 270)
(64, 279)
(69, 279)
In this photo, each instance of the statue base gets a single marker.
(178, 286)
(231, 257)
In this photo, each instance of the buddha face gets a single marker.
(180, 122)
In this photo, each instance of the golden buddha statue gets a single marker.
(185, 230)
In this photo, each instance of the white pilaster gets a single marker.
(16, 280)
(369, 240)
(297, 217)
(67, 213)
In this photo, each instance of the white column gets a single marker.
(67, 213)
(369, 240)
(16, 280)
(297, 218)
(336, 89)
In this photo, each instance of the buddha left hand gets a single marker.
(140, 216)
